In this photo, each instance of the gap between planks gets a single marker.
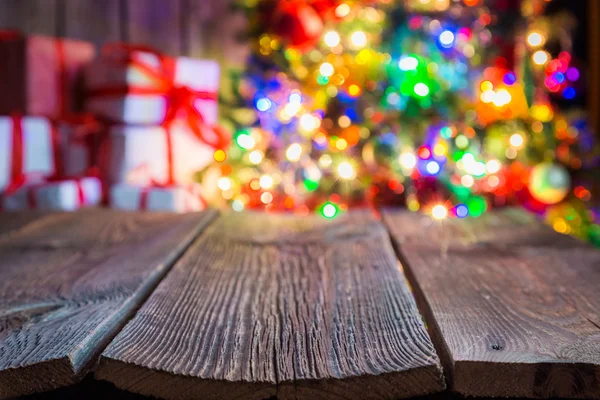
(277, 305)
(511, 305)
(33, 310)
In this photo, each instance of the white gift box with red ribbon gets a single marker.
(173, 198)
(139, 86)
(77, 152)
(144, 154)
(64, 195)
(29, 150)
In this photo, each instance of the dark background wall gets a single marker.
(199, 28)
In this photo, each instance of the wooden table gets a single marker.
(252, 306)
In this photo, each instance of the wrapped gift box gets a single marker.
(63, 195)
(165, 156)
(130, 86)
(170, 198)
(79, 147)
(29, 150)
(40, 75)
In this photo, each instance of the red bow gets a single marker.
(179, 98)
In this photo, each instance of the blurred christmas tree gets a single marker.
(444, 106)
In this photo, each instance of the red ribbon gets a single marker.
(32, 191)
(178, 98)
(17, 175)
(143, 203)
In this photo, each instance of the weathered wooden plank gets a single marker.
(263, 305)
(69, 283)
(29, 16)
(514, 305)
(156, 23)
(14, 221)
(94, 21)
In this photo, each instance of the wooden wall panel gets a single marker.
(196, 28)
(29, 16)
(197, 21)
(94, 21)
(226, 46)
(156, 23)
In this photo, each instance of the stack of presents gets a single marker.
(125, 126)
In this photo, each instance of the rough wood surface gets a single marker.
(264, 305)
(69, 283)
(514, 305)
(13, 221)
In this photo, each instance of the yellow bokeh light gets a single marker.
(344, 121)
(408, 160)
(224, 183)
(294, 152)
(354, 90)
(540, 57)
(486, 85)
(516, 140)
(535, 39)
(439, 212)
(487, 96)
(325, 160)
(331, 38)
(492, 166)
(502, 98)
(346, 171)
(326, 69)
(266, 182)
(220, 156)
(560, 226)
(467, 181)
(440, 149)
(342, 10)
(256, 157)
(341, 144)
(358, 39)
(266, 197)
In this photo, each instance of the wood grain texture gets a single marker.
(264, 305)
(94, 21)
(156, 23)
(69, 283)
(14, 221)
(29, 16)
(514, 305)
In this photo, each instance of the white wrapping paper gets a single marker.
(176, 199)
(38, 149)
(63, 195)
(131, 149)
(198, 75)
